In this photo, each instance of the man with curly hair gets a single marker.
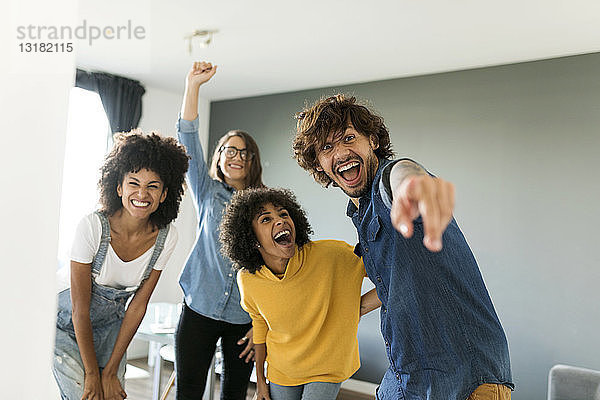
(442, 335)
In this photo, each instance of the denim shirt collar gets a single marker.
(363, 202)
(351, 209)
(231, 189)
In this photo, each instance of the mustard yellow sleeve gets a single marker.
(259, 325)
(354, 261)
(362, 265)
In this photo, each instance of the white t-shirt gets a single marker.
(114, 272)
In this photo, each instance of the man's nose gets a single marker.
(340, 151)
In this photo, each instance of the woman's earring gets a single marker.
(257, 245)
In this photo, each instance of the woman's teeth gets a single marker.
(284, 237)
(280, 234)
(140, 203)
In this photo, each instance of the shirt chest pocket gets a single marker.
(218, 204)
(373, 229)
(372, 234)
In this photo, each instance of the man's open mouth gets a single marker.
(350, 172)
(283, 238)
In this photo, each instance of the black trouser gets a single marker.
(195, 342)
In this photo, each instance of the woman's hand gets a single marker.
(112, 387)
(262, 391)
(248, 351)
(92, 387)
(200, 73)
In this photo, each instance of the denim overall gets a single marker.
(441, 332)
(107, 309)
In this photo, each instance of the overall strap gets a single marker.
(104, 242)
(158, 248)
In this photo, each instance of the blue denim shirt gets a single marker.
(208, 279)
(441, 332)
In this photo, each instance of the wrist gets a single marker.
(192, 87)
(92, 373)
(109, 371)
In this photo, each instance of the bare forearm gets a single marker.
(189, 107)
(261, 356)
(85, 341)
(133, 317)
(369, 302)
(81, 294)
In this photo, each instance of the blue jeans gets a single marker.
(308, 391)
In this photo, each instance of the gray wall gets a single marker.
(521, 144)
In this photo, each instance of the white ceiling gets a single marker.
(271, 46)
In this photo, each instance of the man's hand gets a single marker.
(200, 73)
(112, 387)
(432, 199)
(248, 351)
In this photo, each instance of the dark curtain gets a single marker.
(121, 97)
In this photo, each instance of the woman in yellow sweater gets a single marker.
(304, 296)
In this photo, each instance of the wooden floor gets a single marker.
(140, 388)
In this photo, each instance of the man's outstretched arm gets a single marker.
(414, 193)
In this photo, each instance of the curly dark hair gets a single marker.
(332, 114)
(238, 241)
(134, 151)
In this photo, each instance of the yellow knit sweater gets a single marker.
(309, 318)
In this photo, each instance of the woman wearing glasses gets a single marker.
(211, 307)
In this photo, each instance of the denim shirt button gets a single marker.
(387, 343)
(378, 279)
(366, 249)
(230, 275)
(226, 293)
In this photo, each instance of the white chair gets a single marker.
(573, 383)
(167, 353)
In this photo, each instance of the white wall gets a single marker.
(159, 113)
(33, 100)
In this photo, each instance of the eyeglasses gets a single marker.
(231, 152)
